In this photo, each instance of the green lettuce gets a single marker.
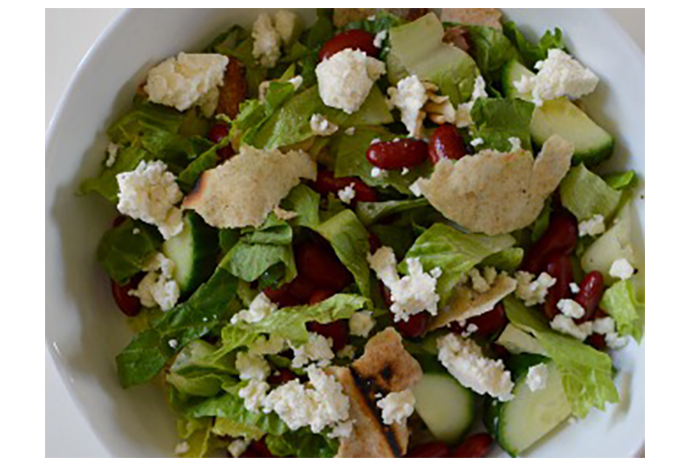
(197, 372)
(621, 303)
(123, 254)
(585, 194)
(302, 444)
(372, 212)
(212, 303)
(532, 53)
(305, 202)
(506, 260)
(586, 373)
(398, 237)
(313, 39)
(490, 49)
(197, 435)
(350, 241)
(620, 180)
(105, 184)
(496, 119)
(455, 252)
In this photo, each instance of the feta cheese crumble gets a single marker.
(266, 48)
(345, 79)
(462, 115)
(149, 193)
(268, 345)
(592, 227)
(318, 406)
(350, 131)
(284, 214)
(537, 377)
(464, 360)
(416, 187)
(112, 150)
(361, 323)
(532, 291)
(396, 406)
(181, 448)
(622, 269)
(237, 447)
(476, 142)
(380, 38)
(566, 325)
(604, 325)
(254, 394)
(574, 288)
(321, 126)
(377, 172)
(190, 79)
(158, 286)
(173, 343)
(410, 97)
(515, 144)
(317, 349)
(570, 308)
(411, 294)
(252, 366)
(258, 309)
(482, 283)
(347, 194)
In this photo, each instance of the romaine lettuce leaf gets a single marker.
(149, 351)
(490, 50)
(621, 303)
(105, 184)
(496, 119)
(302, 444)
(197, 372)
(197, 438)
(123, 254)
(398, 237)
(585, 194)
(586, 373)
(620, 180)
(455, 252)
(350, 241)
(371, 212)
(305, 202)
(531, 53)
(506, 260)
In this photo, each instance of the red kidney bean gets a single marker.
(215, 135)
(561, 236)
(283, 376)
(500, 351)
(446, 142)
(301, 288)
(119, 219)
(591, 290)
(260, 448)
(356, 39)
(395, 155)
(250, 454)
(319, 295)
(558, 267)
(374, 243)
(282, 297)
(326, 183)
(414, 326)
(338, 331)
(490, 322)
(475, 446)
(598, 341)
(129, 304)
(319, 265)
(431, 450)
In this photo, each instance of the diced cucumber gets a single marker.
(193, 251)
(517, 341)
(446, 406)
(593, 144)
(521, 422)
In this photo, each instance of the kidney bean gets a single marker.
(591, 290)
(431, 450)
(356, 39)
(319, 295)
(217, 134)
(490, 322)
(283, 376)
(338, 331)
(598, 341)
(301, 288)
(395, 155)
(475, 446)
(326, 183)
(260, 448)
(559, 267)
(319, 265)
(561, 236)
(119, 219)
(128, 304)
(414, 326)
(374, 243)
(446, 142)
(282, 296)
(500, 351)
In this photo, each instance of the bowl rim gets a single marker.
(631, 48)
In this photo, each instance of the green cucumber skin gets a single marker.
(540, 130)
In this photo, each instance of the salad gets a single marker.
(387, 234)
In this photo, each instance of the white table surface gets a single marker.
(65, 47)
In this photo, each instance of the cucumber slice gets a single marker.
(446, 406)
(530, 416)
(593, 144)
(194, 252)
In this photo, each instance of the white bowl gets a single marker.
(84, 329)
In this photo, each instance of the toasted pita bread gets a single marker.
(473, 16)
(496, 193)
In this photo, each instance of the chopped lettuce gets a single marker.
(495, 120)
(350, 241)
(455, 252)
(585, 194)
(541, 224)
(371, 212)
(196, 372)
(532, 53)
(398, 237)
(212, 303)
(105, 183)
(302, 444)
(305, 202)
(198, 438)
(506, 260)
(122, 253)
(490, 49)
(621, 303)
(586, 373)
(418, 47)
(620, 180)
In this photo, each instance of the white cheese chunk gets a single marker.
(622, 269)
(237, 447)
(254, 394)
(464, 360)
(149, 193)
(561, 75)
(537, 377)
(592, 227)
(396, 407)
(533, 291)
(317, 349)
(112, 151)
(258, 309)
(361, 323)
(345, 79)
(347, 194)
(158, 286)
(380, 38)
(266, 48)
(566, 325)
(321, 126)
(410, 96)
(252, 366)
(570, 308)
